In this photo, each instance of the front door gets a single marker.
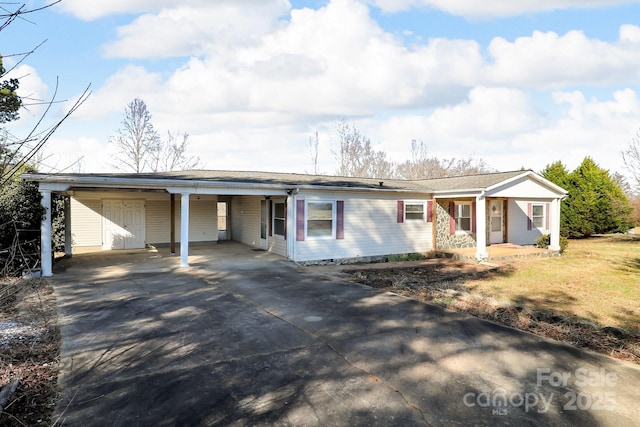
(264, 224)
(496, 221)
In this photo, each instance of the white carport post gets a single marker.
(46, 255)
(481, 227)
(184, 230)
(554, 243)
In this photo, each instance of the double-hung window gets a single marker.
(414, 210)
(537, 216)
(279, 218)
(321, 219)
(462, 217)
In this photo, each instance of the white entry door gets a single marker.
(496, 221)
(264, 224)
(123, 224)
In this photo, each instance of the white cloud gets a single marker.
(89, 10)
(187, 30)
(333, 61)
(503, 127)
(552, 60)
(121, 88)
(494, 8)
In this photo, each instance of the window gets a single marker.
(463, 216)
(414, 211)
(320, 219)
(537, 216)
(279, 218)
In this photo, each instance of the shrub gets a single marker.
(405, 257)
(545, 240)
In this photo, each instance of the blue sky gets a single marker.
(517, 84)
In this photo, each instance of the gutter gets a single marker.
(168, 183)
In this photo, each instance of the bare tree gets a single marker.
(631, 158)
(137, 142)
(314, 141)
(356, 157)
(423, 166)
(140, 148)
(172, 154)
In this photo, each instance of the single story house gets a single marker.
(306, 218)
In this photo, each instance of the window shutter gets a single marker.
(473, 217)
(340, 219)
(547, 218)
(300, 220)
(286, 218)
(430, 211)
(400, 211)
(270, 217)
(529, 214)
(452, 218)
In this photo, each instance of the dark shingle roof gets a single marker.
(470, 182)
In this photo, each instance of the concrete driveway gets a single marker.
(248, 338)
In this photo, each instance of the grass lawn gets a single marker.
(596, 279)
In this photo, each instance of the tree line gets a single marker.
(356, 157)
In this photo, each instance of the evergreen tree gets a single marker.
(596, 204)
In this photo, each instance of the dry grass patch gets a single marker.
(597, 279)
(29, 352)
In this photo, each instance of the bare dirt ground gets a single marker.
(441, 282)
(29, 353)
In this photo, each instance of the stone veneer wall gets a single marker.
(444, 240)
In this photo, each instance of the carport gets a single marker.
(124, 204)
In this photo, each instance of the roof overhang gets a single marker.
(68, 183)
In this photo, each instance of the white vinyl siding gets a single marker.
(245, 220)
(159, 220)
(203, 218)
(86, 222)
(370, 229)
(518, 222)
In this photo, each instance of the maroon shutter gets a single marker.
(473, 217)
(430, 211)
(400, 211)
(340, 219)
(547, 217)
(270, 217)
(285, 219)
(300, 220)
(452, 218)
(529, 219)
